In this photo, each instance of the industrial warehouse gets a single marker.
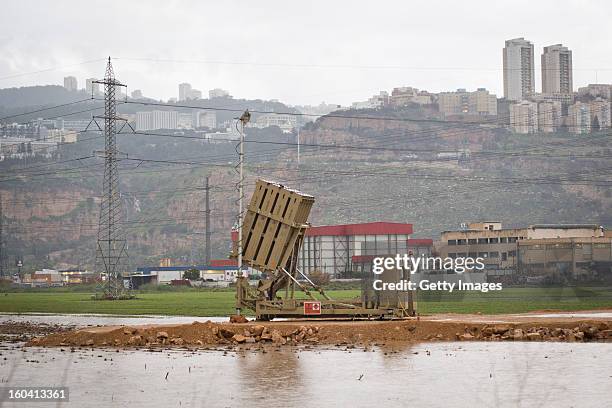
(537, 253)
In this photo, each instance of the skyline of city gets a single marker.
(337, 61)
(556, 60)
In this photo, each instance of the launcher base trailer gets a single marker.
(267, 306)
(273, 231)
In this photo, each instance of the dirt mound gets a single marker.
(328, 333)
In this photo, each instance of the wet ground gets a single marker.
(437, 374)
(88, 320)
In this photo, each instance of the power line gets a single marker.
(327, 66)
(50, 69)
(45, 109)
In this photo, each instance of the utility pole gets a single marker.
(244, 119)
(208, 229)
(2, 254)
(111, 248)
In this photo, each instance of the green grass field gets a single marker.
(221, 303)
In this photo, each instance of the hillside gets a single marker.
(52, 213)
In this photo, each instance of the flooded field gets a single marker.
(440, 373)
(428, 374)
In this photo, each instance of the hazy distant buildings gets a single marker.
(70, 83)
(461, 102)
(374, 102)
(136, 94)
(72, 124)
(90, 87)
(314, 112)
(230, 135)
(557, 70)
(524, 117)
(453, 103)
(596, 90)
(185, 121)
(205, 119)
(404, 95)
(519, 70)
(586, 117)
(286, 122)
(550, 116)
(195, 94)
(62, 136)
(184, 91)
(154, 120)
(600, 114)
(218, 93)
(579, 118)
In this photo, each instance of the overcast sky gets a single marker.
(298, 52)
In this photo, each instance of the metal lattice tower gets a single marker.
(111, 248)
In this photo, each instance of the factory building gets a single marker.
(333, 248)
(219, 270)
(561, 259)
(537, 248)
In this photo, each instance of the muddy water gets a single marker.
(436, 374)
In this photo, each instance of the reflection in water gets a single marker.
(261, 374)
(429, 374)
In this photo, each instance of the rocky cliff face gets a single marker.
(55, 223)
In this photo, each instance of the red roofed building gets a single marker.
(332, 248)
(223, 262)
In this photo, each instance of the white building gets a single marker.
(218, 93)
(586, 117)
(579, 118)
(374, 102)
(184, 91)
(195, 94)
(61, 136)
(185, 121)
(206, 119)
(286, 122)
(550, 117)
(596, 90)
(524, 117)
(74, 124)
(154, 120)
(557, 70)
(90, 87)
(70, 83)
(600, 114)
(229, 136)
(479, 102)
(404, 95)
(519, 70)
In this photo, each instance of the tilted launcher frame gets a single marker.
(273, 230)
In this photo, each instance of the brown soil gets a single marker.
(357, 333)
